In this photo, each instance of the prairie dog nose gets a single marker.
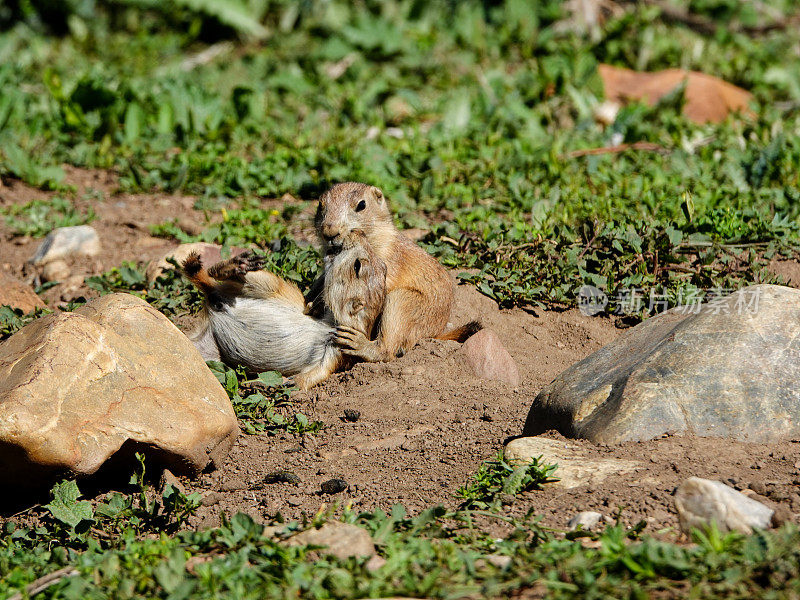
(329, 233)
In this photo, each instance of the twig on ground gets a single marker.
(643, 146)
(45, 582)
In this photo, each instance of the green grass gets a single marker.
(118, 547)
(473, 122)
(497, 480)
(261, 404)
(38, 217)
(13, 319)
(468, 115)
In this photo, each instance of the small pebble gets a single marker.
(334, 486)
(211, 499)
(232, 485)
(375, 563)
(351, 415)
(281, 477)
(499, 561)
(167, 478)
(585, 520)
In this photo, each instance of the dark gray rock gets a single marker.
(334, 486)
(281, 477)
(729, 368)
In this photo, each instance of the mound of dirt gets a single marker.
(426, 421)
(427, 424)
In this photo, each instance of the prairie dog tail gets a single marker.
(196, 273)
(460, 334)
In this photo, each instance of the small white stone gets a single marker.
(586, 520)
(606, 112)
(375, 563)
(702, 501)
(499, 560)
(67, 241)
(395, 132)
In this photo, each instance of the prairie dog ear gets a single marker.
(355, 307)
(376, 191)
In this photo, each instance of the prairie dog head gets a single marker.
(355, 283)
(349, 206)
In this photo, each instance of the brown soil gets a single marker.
(426, 421)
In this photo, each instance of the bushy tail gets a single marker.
(196, 273)
(460, 334)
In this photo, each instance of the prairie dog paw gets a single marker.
(351, 341)
(247, 261)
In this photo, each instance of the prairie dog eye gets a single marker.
(362, 204)
(357, 267)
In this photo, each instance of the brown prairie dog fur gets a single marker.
(255, 319)
(355, 284)
(419, 292)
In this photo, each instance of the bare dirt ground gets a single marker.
(426, 421)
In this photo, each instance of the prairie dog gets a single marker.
(256, 319)
(419, 292)
(355, 284)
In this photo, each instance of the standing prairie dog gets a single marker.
(256, 319)
(419, 292)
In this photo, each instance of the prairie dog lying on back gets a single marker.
(256, 319)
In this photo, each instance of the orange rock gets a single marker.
(489, 359)
(17, 294)
(708, 98)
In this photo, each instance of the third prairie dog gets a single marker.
(355, 284)
(419, 291)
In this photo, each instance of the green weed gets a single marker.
(497, 479)
(38, 217)
(475, 123)
(259, 402)
(13, 319)
(427, 555)
(169, 292)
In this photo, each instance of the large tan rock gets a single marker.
(76, 387)
(16, 294)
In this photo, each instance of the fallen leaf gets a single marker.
(708, 98)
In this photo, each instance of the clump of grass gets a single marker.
(39, 217)
(260, 403)
(497, 479)
(13, 319)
